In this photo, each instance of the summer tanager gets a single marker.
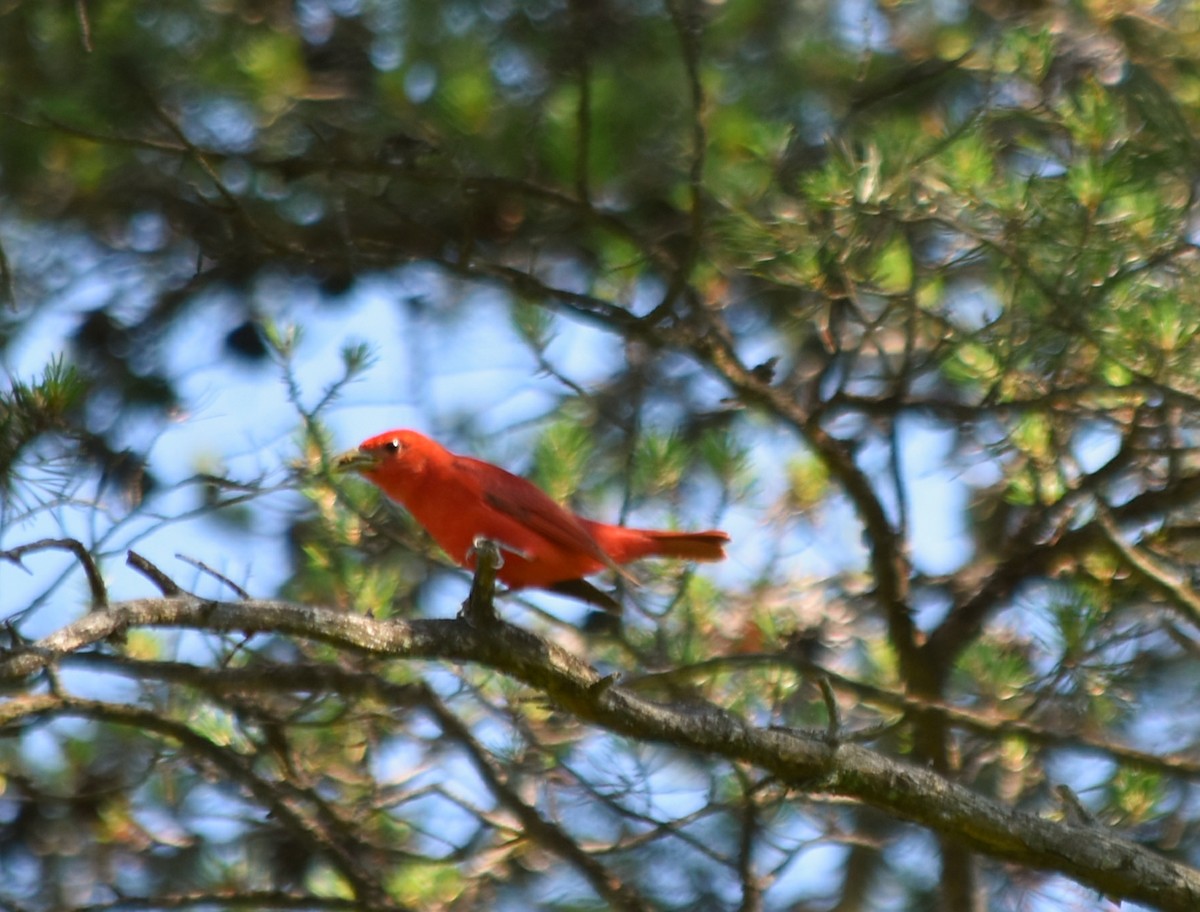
(544, 546)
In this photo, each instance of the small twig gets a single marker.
(833, 729)
(220, 577)
(583, 121)
(871, 732)
(85, 24)
(480, 606)
(1074, 810)
(748, 841)
(861, 736)
(55, 682)
(604, 684)
(16, 640)
(7, 292)
(165, 584)
(76, 547)
(542, 831)
(202, 159)
(687, 19)
(1182, 595)
(896, 470)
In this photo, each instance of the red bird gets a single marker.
(459, 499)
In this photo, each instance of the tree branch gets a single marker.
(311, 824)
(1098, 858)
(76, 547)
(543, 832)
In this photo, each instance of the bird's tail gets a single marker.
(623, 544)
(697, 546)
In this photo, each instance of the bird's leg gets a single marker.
(480, 606)
(501, 549)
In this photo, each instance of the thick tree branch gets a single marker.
(981, 723)
(1095, 857)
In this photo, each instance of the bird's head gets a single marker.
(392, 458)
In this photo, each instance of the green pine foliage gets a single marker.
(903, 295)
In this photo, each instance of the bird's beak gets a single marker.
(356, 461)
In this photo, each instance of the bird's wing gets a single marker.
(526, 503)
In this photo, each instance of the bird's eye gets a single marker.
(392, 446)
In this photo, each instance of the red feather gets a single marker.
(459, 499)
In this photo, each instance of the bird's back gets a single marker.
(541, 542)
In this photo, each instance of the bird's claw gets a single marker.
(501, 548)
(492, 548)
